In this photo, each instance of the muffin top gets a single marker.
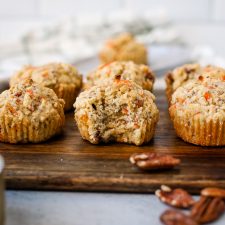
(106, 74)
(212, 72)
(20, 75)
(203, 98)
(31, 101)
(120, 41)
(50, 75)
(185, 73)
(182, 74)
(123, 47)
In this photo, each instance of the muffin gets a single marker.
(121, 112)
(63, 78)
(30, 113)
(107, 73)
(181, 75)
(123, 48)
(198, 112)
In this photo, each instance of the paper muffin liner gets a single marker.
(198, 130)
(69, 95)
(150, 131)
(24, 131)
(169, 87)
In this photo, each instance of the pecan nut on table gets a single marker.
(153, 161)
(207, 209)
(175, 197)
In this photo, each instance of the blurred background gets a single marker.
(37, 31)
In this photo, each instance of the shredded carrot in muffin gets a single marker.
(207, 96)
(223, 78)
(123, 82)
(125, 111)
(181, 100)
(30, 92)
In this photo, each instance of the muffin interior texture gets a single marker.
(122, 112)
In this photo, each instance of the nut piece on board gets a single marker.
(213, 192)
(207, 209)
(175, 217)
(178, 197)
(153, 161)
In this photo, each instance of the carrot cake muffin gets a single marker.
(181, 75)
(107, 73)
(63, 78)
(198, 112)
(30, 113)
(121, 112)
(123, 48)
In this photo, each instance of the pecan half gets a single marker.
(213, 192)
(207, 209)
(153, 161)
(177, 197)
(174, 217)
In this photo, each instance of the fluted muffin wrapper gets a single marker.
(169, 86)
(25, 131)
(199, 130)
(68, 94)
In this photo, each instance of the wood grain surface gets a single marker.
(69, 163)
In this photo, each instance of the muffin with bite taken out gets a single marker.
(120, 112)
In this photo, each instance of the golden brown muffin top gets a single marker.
(50, 75)
(29, 100)
(187, 72)
(122, 70)
(204, 98)
(182, 74)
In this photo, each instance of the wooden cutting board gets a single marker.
(70, 163)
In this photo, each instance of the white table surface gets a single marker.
(76, 208)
